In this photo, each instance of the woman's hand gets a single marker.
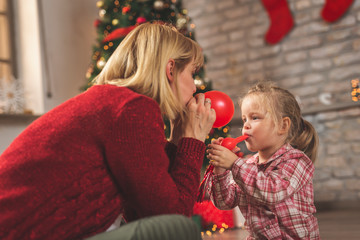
(199, 118)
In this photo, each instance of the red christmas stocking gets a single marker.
(334, 9)
(281, 21)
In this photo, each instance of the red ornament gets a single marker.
(118, 33)
(96, 23)
(212, 215)
(125, 10)
(223, 106)
(212, 131)
(140, 20)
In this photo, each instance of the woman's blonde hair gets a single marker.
(281, 103)
(139, 63)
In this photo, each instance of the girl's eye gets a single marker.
(255, 117)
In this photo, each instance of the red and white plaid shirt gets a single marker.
(276, 197)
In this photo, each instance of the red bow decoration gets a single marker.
(118, 33)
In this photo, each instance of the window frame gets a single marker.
(9, 14)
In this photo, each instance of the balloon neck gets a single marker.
(242, 138)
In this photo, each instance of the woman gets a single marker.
(102, 155)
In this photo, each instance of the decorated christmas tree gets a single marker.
(117, 18)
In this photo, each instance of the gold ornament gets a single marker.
(115, 22)
(198, 81)
(101, 63)
(159, 5)
(102, 13)
(88, 75)
(181, 22)
(100, 4)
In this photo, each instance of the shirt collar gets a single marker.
(285, 148)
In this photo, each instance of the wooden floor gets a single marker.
(335, 223)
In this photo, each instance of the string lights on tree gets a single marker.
(355, 92)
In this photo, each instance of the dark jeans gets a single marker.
(163, 227)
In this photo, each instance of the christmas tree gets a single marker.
(117, 18)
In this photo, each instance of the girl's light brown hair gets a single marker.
(281, 103)
(139, 63)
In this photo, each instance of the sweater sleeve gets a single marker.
(140, 164)
(170, 150)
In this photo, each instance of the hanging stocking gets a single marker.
(281, 21)
(334, 9)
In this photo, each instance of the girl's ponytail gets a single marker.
(306, 140)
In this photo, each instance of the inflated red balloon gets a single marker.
(223, 106)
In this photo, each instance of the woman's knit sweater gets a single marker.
(100, 154)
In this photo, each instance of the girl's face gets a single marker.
(186, 83)
(259, 125)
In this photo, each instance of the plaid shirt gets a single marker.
(276, 197)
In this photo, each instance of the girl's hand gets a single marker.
(217, 141)
(236, 149)
(218, 170)
(220, 156)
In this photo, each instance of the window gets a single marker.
(7, 55)
(8, 97)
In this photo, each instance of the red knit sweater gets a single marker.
(102, 153)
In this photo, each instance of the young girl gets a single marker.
(273, 188)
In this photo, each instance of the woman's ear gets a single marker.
(284, 125)
(170, 70)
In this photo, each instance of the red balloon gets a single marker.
(223, 106)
